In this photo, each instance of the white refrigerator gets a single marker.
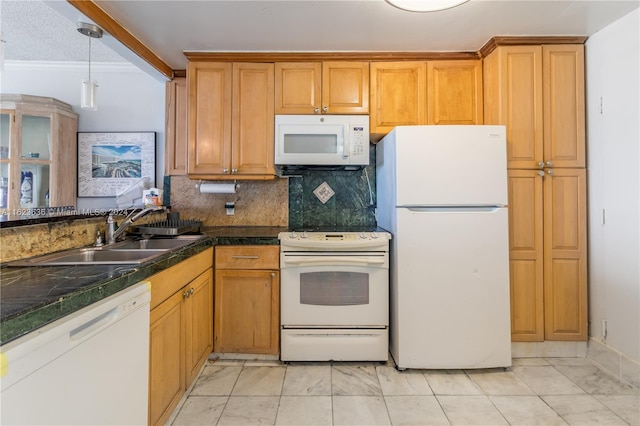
(442, 193)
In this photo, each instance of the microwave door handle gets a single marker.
(345, 150)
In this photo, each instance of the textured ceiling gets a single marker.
(33, 31)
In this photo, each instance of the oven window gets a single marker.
(334, 288)
(310, 144)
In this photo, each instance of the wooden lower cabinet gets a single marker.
(247, 300)
(166, 375)
(198, 324)
(548, 254)
(181, 331)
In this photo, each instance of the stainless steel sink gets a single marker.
(91, 256)
(155, 243)
(122, 253)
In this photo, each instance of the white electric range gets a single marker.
(334, 295)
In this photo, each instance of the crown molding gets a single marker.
(496, 41)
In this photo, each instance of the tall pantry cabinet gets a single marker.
(537, 91)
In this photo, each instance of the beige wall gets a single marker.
(258, 203)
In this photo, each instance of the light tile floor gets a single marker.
(535, 391)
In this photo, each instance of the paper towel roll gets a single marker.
(217, 188)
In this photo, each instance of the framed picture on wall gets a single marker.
(109, 162)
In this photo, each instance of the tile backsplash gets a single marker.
(352, 203)
(288, 201)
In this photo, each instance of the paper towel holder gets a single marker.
(217, 187)
(200, 182)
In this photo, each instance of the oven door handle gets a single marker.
(334, 260)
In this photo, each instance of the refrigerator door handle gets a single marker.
(454, 209)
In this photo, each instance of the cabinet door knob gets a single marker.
(316, 110)
(234, 171)
(225, 171)
(185, 294)
(549, 172)
(541, 164)
(273, 274)
(325, 109)
(541, 173)
(549, 163)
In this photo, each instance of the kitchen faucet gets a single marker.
(112, 233)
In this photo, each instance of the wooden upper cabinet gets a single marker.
(564, 105)
(176, 127)
(454, 92)
(338, 87)
(298, 87)
(513, 97)
(252, 131)
(231, 113)
(425, 92)
(537, 92)
(209, 125)
(397, 95)
(345, 87)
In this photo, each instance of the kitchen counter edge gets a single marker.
(109, 280)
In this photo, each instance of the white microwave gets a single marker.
(325, 140)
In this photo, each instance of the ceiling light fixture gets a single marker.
(425, 5)
(88, 89)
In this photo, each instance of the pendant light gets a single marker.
(425, 5)
(88, 89)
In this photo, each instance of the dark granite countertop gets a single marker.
(32, 297)
(35, 296)
(244, 235)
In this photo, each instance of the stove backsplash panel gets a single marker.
(351, 206)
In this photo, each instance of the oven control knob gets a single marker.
(374, 234)
(363, 235)
(304, 234)
(293, 235)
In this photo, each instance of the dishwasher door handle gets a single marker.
(94, 325)
(100, 322)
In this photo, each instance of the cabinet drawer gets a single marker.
(247, 257)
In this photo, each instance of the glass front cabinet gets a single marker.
(38, 154)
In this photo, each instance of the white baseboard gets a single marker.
(614, 362)
(548, 349)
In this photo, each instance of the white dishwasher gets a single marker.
(90, 367)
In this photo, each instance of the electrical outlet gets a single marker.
(230, 208)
